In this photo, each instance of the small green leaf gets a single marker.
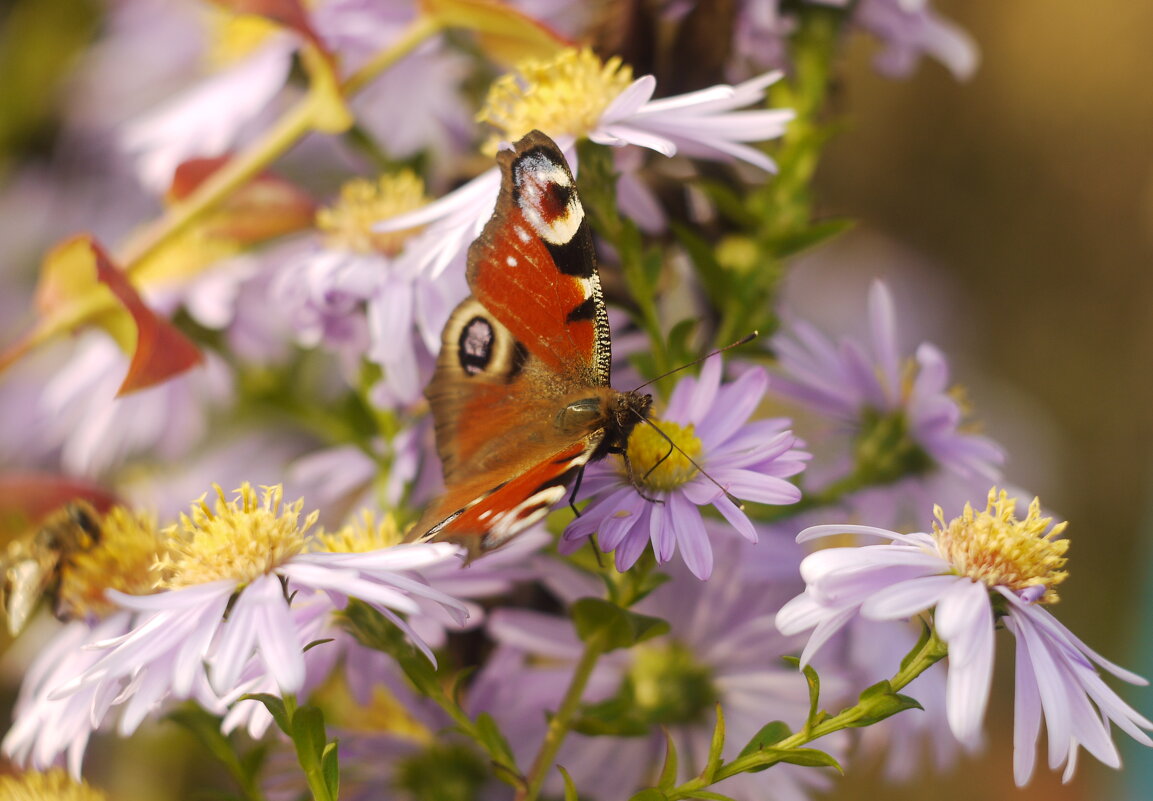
(649, 794)
(614, 626)
(570, 791)
(926, 633)
(879, 702)
(765, 758)
(315, 643)
(711, 796)
(810, 236)
(668, 777)
(814, 682)
(770, 734)
(275, 707)
(308, 732)
(715, 747)
(330, 766)
(494, 741)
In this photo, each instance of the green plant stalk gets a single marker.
(312, 771)
(558, 726)
(785, 204)
(930, 652)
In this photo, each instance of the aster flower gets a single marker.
(96, 430)
(977, 569)
(246, 557)
(722, 647)
(576, 95)
(659, 501)
(905, 425)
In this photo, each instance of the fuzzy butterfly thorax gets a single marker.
(521, 395)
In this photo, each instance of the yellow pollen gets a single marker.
(53, 785)
(654, 467)
(233, 37)
(347, 224)
(995, 548)
(361, 535)
(241, 539)
(122, 559)
(565, 95)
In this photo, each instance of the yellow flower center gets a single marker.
(241, 539)
(121, 559)
(347, 224)
(995, 548)
(565, 95)
(54, 785)
(658, 466)
(233, 37)
(361, 535)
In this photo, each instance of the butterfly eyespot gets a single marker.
(476, 341)
(548, 199)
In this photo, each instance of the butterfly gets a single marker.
(32, 567)
(521, 396)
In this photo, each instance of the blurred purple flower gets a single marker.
(722, 648)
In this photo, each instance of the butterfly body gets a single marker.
(521, 394)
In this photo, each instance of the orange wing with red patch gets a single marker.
(520, 359)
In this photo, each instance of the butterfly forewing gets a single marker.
(521, 394)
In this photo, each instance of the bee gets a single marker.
(32, 566)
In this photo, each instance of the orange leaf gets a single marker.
(266, 207)
(161, 351)
(507, 35)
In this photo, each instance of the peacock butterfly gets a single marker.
(521, 396)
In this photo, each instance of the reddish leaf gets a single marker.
(161, 352)
(289, 13)
(27, 498)
(264, 208)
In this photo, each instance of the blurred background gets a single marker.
(1013, 215)
(1024, 198)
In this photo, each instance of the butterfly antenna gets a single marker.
(746, 339)
(675, 447)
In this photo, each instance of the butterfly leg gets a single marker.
(575, 489)
(624, 454)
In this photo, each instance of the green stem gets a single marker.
(307, 760)
(559, 724)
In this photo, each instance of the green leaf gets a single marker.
(765, 758)
(879, 702)
(315, 643)
(811, 236)
(570, 791)
(770, 734)
(649, 794)
(668, 777)
(374, 630)
(494, 741)
(711, 796)
(275, 707)
(614, 626)
(715, 747)
(308, 733)
(330, 768)
(926, 633)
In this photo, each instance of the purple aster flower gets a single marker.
(660, 501)
(722, 648)
(977, 569)
(246, 557)
(96, 430)
(908, 433)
